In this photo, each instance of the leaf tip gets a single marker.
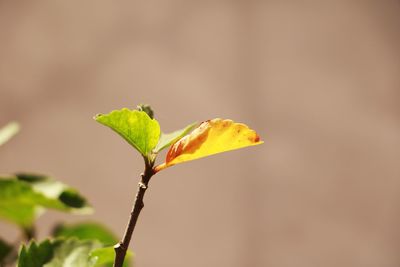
(257, 139)
(98, 116)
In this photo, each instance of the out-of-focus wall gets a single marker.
(319, 81)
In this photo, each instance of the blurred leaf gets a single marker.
(105, 257)
(167, 139)
(93, 231)
(54, 189)
(5, 249)
(57, 253)
(86, 230)
(8, 131)
(31, 177)
(136, 127)
(71, 197)
(69, 252)
(73, 252)
(35, 255)
(211, 137)
(21, 202)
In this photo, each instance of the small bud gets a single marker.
(146, 108)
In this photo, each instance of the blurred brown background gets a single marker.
(319, 81)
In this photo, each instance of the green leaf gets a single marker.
(35, 255)
(73, 252)
(54, 189)
(8, 131)
(167, 139)
(5, 249)
(105, 256)
(136, 127)
(58, 253)
(71, 198)
(94, 231)
(31, 177)
(21, 202)
(86, 230)
(70, 252)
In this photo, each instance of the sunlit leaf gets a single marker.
(86, 230)
(211, 137)
(167, 139)
(136, 127)
(23, 199)
(8, 131)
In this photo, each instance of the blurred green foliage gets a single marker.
(26, 196)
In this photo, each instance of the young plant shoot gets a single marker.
(142, 131)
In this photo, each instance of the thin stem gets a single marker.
(122, 246)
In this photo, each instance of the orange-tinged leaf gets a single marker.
(211, 137)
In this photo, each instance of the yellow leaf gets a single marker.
(211, 137)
